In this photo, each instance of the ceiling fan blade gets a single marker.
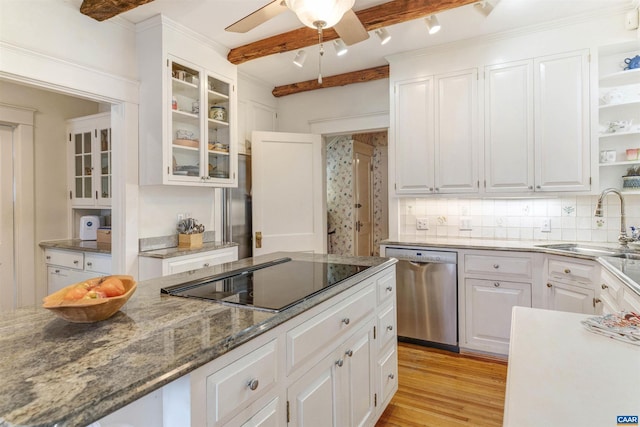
(350, 29)
(260, 16)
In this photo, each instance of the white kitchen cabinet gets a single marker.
(570, 285)
(89, 154)
(188, 109)
(66, 267)
(435, 134)
(562, 122)
(508, 128)
(571, 298)
(150, 267)
(630, 301)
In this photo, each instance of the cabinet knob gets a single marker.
(206, 264)
(538, 187)
(391, 376)
(57, 271)
(496, 284)
(253, 384)
(496, 266)
(389, 288)
(390, 328)
(567, 271)
(89, 263)
(437, 189)
(430, 188)
(348, 353)
(531, 187)
(76, 262)
(346, 320)
(549, 285)
(604, 286)
(596, 301)
(48, 257)
(339, 362)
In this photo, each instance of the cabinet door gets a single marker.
(220, 151)
(82, 165)
(488, 306)
(508, 127)
(413, 136)
(456, 130)
(360, 383)
(103, 164)
(562, 137)
(312, 399)
(566, 297)
(269, 416)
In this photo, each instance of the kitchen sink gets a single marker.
(587, 250)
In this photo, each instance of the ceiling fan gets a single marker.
(316, 14)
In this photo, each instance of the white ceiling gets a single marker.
(210, 17)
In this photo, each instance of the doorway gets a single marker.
(7, 284)
(357, 176)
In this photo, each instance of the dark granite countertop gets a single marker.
(176, 251)
(78, 245)
(55, 373)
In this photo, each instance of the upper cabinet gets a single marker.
(435, 134)
(534, 130)
(89, 154)
(536, 133)
(188, 123)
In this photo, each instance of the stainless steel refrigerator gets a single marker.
(237, 210)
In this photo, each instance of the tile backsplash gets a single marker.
(570, 218)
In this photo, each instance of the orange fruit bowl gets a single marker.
(88, 310)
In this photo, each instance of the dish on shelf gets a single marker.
(193, 143)
(185, 134)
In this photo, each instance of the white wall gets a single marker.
(361, 99)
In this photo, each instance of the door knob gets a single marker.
(358, 205)
(258, 239)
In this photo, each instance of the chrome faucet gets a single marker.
(622, 238)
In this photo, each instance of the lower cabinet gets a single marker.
(570, 285)
(572, 298)
(66, 267)
(150, 267)
(488, 306)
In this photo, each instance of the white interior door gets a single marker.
(7, 284)
(288, 195)
(363, 186)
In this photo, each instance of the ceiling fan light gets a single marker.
(433, 26)
(383, 35)
(484, 7)
(340, 47)
(301, 56)
(326, 12)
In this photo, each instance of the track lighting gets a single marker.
(301, 56)
(432, 24)
(484, 7)
(383, 35)
(340, 47)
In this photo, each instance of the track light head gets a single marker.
(301, 56)
(433, 26)
(484, 7)
(340, 47)
(383, 35)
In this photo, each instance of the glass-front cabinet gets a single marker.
(90, 170)
(199, 117)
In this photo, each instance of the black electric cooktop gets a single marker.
(271, 286)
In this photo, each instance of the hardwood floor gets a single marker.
(440, 388)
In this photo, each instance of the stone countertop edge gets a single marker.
(521, 246)
(77, 245)
(177, 251)
(56, 373)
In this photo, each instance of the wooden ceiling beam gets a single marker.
(360, 76)
(105, 9)
(383, 15)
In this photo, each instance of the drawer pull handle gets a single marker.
(206, 264)
(496, 284)
(496, 266)
(391, 376)
(348, 353)
(346, 320)
(339, 362)
(596, 301)
(566, 270)
(75, 262)
(549, 285)
(48, 257)
(604, 286)
(389, 288)
(57, 271)
(390, 328)
(253, 384)
(89, 263)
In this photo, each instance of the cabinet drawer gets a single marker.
(611, 287)
(208, 260)
(97, 263)
(386, 286)
(571, 271)
(237, 385)
(71, 259)
(318, 333)
(388, 374)
(386, 326)
(498, 265)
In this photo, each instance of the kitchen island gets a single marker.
(57, 373)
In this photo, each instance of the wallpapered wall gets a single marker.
(340, 195)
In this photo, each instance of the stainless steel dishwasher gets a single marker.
(427, 296)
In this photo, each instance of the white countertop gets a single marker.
(560, 374)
